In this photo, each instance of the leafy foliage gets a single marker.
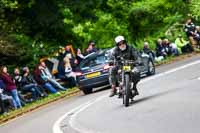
(38, 27)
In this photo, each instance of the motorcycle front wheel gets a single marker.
(127, 93)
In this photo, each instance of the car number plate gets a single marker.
(126, 68)
(91, 75)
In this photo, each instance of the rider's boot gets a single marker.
(113, 91)
(136, 92)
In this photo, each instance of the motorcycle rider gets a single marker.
(122, 50)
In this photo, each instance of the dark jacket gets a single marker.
(189, 29)
(130, 53)
(27, 80)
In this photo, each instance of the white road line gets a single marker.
(73, 113)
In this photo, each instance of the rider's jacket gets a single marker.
(129, 53)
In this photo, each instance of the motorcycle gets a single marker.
(126, 84)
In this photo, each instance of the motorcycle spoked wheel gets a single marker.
(127, 91)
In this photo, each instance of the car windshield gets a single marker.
(93, 61)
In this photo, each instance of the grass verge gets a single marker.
(37, 104)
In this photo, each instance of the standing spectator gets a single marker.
(68, 53)
(10, 86)
(91, 48)
(79, 56)
(197, 36)
(190, 31)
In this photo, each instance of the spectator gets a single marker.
(183, 45)
(190, 31)
(170, 48)
(148, 51)
(160, 50)
(64, 72)
(29, 84)
(68, 71)
(10, 86)
(197, 36)
(68, 53)
(91, 48)
(4, 99)
(47, 76)
(17, 79)
(79, 56)
(37, 74)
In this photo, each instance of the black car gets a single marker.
(93, 71)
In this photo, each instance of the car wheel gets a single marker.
(87, 90)
(151, 68)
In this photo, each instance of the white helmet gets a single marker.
(119, 39)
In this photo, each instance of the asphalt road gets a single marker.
(168, 103)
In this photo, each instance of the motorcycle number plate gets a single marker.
(127, 68)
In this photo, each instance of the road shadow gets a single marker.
(137, 101)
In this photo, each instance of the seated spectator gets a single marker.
(170, 48)
(28, 84)
(160, 50)
(5, 100)
(17, 79)
(148, 51)
(183, 44)
(10, 86)
(47, 76)
(65, 72)
(189, 28)
(37, 75)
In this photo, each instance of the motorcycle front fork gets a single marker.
(121, 90)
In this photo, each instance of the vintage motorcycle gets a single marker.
(126, 77)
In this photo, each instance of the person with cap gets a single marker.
(122, 49)
(91, 48)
